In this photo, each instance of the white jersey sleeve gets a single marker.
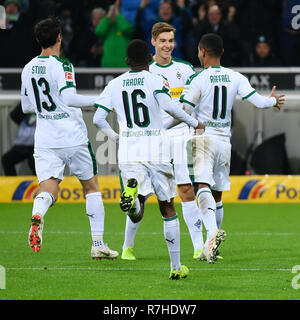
(65, 76)
(192, 92)
(244, 90)
(104, 101)
(247, 92)
(26, 105)
(161, 85)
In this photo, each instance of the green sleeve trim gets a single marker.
(220, 207)
(249, 95)
(181, 99)
(164, 90)
(71, 85)
(102, 107)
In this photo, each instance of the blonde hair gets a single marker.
(161, 27)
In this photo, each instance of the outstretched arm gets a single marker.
(72, 99)
(266, 102)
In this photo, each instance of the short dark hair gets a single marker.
(138, 52)
(213, 43)
(47, 31)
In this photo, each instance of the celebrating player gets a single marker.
(177, 72)
(137, 97)
(49, 90)
(211, 93)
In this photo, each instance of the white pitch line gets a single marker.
(285, 234)
(141, 269)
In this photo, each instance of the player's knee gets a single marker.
(90, 186)
(186, 192)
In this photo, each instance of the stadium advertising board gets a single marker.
(244, 189)
(96, 78)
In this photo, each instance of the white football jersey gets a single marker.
(58, 125)
(177, 72)
(133, 97)
(212, 92)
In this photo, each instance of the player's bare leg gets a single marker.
(131, 230)
(96, 213)
(46, 198)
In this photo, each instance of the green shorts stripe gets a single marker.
(121, 180)
(95, 167)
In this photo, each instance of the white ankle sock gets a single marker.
(41, 203)
(172, 236)
(192, 218)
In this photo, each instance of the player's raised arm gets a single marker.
(247, 92)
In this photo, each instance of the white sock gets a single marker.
(172, 236)
(207, 205)
(130, 232)
(192, 218)
(41, 203)
(219, 213)
(95, 212)
(97, 240)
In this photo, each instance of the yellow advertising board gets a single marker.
(244, 189)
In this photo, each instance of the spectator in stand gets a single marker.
(258, 17)
(263, 55)
(86, 47)
(179, 16)
(199, 9)
(23, 145)
(66, 21)
(129, 9)
(115, 32)
(229, 32)
(18, 34)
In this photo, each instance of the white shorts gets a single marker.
(152, 178)
(179, 156)
(210, 161)
(51, 162)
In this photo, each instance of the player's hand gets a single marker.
(279, 98)
(199, 129)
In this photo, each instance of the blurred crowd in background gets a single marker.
(256, 33)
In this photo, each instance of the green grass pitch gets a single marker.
(261, 248)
